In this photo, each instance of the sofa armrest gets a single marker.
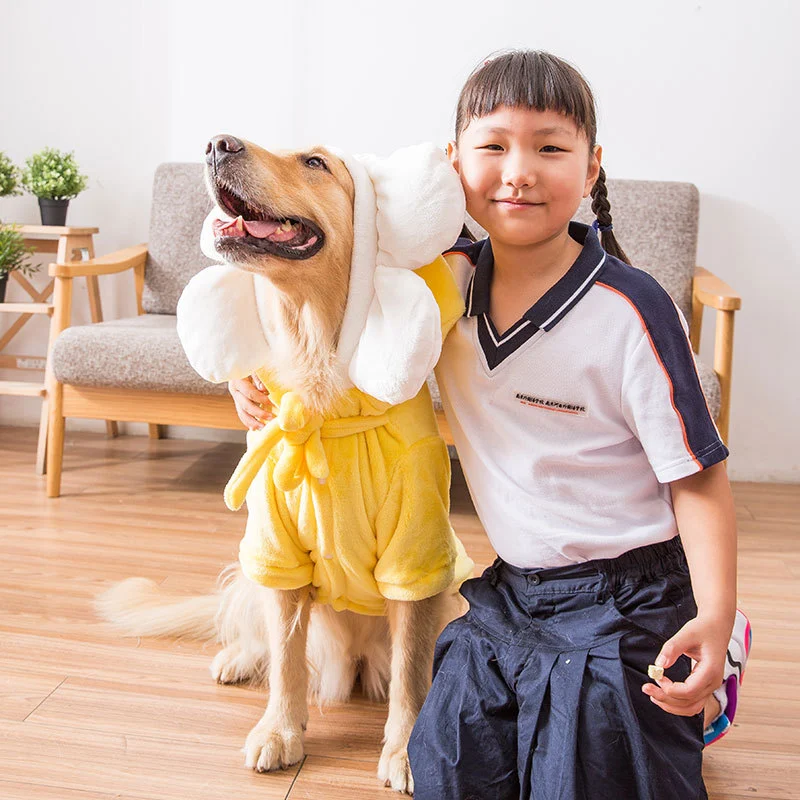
(130, 257)
(713, 292)
(709, 291)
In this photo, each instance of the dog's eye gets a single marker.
(315, 162)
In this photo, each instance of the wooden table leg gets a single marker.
(36, 296)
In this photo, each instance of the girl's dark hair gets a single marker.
(539, 80)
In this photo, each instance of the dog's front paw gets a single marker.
(394, 769)
(270, 747)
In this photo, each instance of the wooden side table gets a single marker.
(69, 244)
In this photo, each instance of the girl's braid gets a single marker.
(602, 210)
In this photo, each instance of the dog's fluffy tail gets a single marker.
(140, 607)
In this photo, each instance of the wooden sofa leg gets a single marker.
(156, 431)
(55, 441)
(41, 447)
(62, 305)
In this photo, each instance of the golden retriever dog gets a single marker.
(293, 224)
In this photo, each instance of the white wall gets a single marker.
(694, 91)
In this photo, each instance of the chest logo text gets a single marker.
(551, 405)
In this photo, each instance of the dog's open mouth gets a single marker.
(284, 237)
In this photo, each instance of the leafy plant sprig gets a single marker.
(53, 175)
(14, 254)
(9, 176)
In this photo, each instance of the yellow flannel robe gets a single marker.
(356, 501)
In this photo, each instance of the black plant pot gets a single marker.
(3, 284)
(54, 212)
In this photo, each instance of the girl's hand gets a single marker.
(252, 402)
(705, 640)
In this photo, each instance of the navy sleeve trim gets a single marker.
(673, 349)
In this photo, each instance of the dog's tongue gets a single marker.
(259, 229)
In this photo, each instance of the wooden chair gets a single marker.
(135, 370)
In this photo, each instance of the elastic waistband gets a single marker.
(650, 561)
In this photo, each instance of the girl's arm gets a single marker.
(706, 519)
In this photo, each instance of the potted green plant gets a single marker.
(54, 177)
(14, 255)
(9, 176)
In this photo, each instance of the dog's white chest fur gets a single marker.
(302, 352)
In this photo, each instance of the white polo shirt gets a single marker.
(570, 425)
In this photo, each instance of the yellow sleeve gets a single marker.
(417, 549)
(440, 280)
(270, 552)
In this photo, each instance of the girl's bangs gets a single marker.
(527, 80)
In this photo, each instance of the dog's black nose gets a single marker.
(221, 147)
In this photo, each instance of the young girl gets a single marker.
(571, 391)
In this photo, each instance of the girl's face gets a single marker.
(524, 172)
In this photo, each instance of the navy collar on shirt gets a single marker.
(559, 298)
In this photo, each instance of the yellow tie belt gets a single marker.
(302, 455)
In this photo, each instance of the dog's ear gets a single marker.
(402, 339)
(219, 325)
(420, 204)
(414, 202)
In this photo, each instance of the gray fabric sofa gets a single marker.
(655, 221)
(143, 352)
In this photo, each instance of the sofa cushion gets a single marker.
(656, 223)
(180, 204)
(136, 353)
(145, 353)
(709, 380)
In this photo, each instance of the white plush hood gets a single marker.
(408, 209)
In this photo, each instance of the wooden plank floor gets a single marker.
(88, 715)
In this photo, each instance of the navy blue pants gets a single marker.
(537, 689)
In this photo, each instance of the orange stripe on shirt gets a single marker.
(458, 253)
(549, 408)
(658, 358)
